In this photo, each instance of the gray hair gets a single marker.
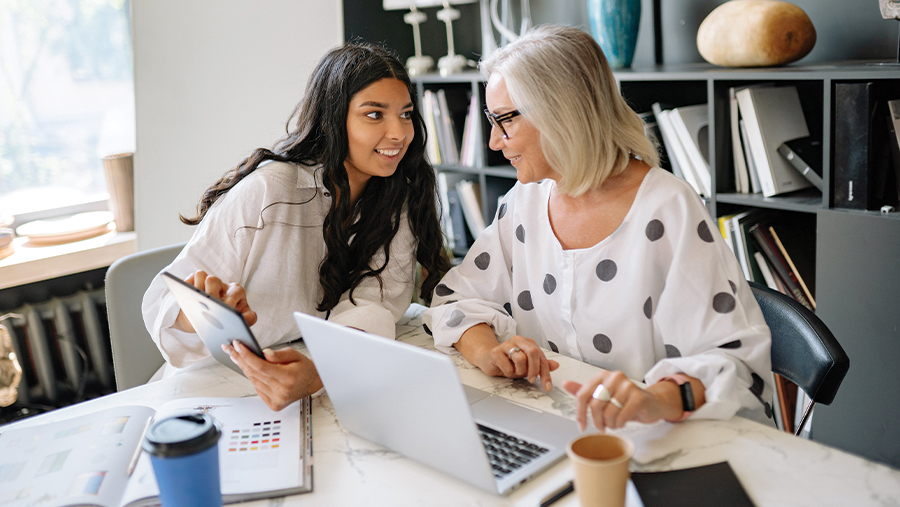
(560, 81)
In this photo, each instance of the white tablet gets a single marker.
(215, 322)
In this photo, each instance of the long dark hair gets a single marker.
(317, 136)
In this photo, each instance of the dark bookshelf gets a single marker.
(848, 274)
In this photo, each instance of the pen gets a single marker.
(562, 491)
(137, 452)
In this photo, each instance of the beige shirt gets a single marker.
(274, 251)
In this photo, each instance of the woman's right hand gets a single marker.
(517, 357)
(231, 294)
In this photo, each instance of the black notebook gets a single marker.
(709, 485)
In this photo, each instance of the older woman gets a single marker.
(599, 255)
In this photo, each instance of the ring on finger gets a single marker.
(616, 403)
(601, 393)
(513, 351)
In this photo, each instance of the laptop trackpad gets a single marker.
(474, 395)
(497, 411)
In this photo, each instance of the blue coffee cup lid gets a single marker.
(181, 435)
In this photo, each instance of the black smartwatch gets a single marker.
(687, 395)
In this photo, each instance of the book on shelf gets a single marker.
(751, 165)
(470, 154)
(446, 131)
(96, 459)
(790, 262)
(861, 151)
(431, 147)
(674, 150)
(773, 115)
(691, 125)
(792, 155)
(786, 397)
(664, 141)
(469, 198)
(745, 249)
(766, 245)
(766, 271)
(741, 176)
(894, 134)
(724, 223)
(452, 220)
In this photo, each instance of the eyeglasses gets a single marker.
(498, 119)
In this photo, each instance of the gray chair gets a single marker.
(135, 356)
(803, 349)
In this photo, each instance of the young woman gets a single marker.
(599, 255)
(331, 222)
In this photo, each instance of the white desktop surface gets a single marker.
(774, 467)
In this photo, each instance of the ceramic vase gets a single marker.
(614, 24)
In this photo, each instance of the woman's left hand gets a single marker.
(283, 377)
(626, 401)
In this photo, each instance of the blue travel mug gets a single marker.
(184, 451)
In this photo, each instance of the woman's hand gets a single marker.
(621, 400)
(283, 377)
(517, 357)
(231, 294)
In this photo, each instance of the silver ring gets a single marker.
(513, 351)
(601, 393)
(615, 402)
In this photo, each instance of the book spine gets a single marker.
(852, 150)
(767, 247)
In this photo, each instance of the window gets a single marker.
(66, 100)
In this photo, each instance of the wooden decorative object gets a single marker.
(755, 33)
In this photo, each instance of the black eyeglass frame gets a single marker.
(497, 119)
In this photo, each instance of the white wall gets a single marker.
(214, 79)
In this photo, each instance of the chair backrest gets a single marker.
(803, 349)
(135, 356)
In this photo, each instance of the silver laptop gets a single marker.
(410, 400)
(215, 322)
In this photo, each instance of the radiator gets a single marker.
(63, 346)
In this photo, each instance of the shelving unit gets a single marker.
(854, 275)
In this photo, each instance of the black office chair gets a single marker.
(803, 349)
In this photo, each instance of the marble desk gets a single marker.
(776, 469)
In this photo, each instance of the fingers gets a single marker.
(545, 374)
(614, 401)
(522, 357)
(283, 377)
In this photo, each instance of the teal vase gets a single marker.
(614, 24)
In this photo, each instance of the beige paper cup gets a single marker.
(601, 469)
(119, 171)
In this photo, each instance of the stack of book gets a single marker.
(761, 252)
(772, 149)
(443, 147)
(685, 137)
(461, 217)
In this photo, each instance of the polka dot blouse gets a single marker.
(662, 294)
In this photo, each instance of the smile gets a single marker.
(388, 153)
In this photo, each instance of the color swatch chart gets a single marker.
(257, 436)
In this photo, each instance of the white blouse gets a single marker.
(662, 294)
(266, 234)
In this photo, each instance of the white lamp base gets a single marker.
(418, 65)
(451, 64)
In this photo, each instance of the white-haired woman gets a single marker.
(599, 255)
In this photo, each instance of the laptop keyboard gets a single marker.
(507, 453)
